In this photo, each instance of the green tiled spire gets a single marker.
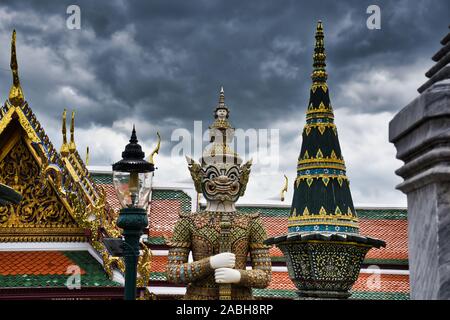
(322, 199)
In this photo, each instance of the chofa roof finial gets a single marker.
(72, 146)
(16, 97)
(64, 147)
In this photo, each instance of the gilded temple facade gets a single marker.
(61, 203)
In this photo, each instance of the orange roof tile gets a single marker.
(382, 283)
(163, 216)
(394, 232)
(365, 282)
(34, 263)
(280, 280)
(159, 263)
(111, 196)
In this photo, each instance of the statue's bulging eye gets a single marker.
(212, 175)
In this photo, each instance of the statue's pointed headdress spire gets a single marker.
(16, 97)
(222, 97)
(221, 104)
(319, 74)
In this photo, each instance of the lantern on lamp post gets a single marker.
(132, 178)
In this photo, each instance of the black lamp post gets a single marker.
(132, 177)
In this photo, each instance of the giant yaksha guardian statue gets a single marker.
(220, 238)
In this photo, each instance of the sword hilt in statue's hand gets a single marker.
(225, 246)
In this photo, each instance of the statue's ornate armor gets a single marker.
(200, 232)
(221, 179)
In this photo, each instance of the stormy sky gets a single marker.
(160, 65)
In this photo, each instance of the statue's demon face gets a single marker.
(220, 182)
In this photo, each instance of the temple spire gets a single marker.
(322, 199)
(16, 97)
(72, 146)
(64, 147)
(319, 74)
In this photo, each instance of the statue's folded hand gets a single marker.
(223, 260)
(227, 275)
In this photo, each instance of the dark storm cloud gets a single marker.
(164, 61)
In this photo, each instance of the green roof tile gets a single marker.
(156, 241)
(366, 295)
(158, 276)
(179, 195)
(94, 276)
(290, 294)
(374, 213)
(102, 178)
(382, 214)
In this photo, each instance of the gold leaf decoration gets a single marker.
(40, 206)
(321, 129)
(319, 154)
(306, 212)
(308, 130)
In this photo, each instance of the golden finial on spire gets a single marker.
(72, 146)
(87, 155)
(319, 74)
(64, 147)
(16, 97)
